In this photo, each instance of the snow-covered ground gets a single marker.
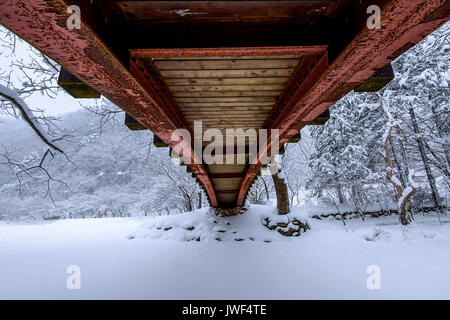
(135, 258)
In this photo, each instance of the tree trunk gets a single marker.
(403, 219)
(188, 202)
(402, 176)
(266, 189)
(403, 148)
(399, 189)
(425, 160)
(292, 199)
(282, 194)
(440, 133)
(340, 194)
(199, 200)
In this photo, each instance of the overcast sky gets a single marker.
(63, 103)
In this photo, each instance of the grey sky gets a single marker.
(63, 103)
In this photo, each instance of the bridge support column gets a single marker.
(227, 212)
(282, 194)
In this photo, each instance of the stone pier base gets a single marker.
(227, 212)
(293, 227)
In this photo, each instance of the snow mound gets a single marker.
(378, 234)
(203, 225)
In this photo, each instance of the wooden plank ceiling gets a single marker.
(227, 92)
(225, 89)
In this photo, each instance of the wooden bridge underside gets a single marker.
(231, 64)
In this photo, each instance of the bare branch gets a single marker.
(30, 122)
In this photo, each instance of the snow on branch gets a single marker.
(404, 193)
(27, 115)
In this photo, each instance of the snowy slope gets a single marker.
(130, 258)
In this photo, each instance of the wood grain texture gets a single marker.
(239, 73)
(166, 11)
(226, 64)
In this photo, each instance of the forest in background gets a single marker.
(377, 151)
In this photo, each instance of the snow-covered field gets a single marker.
(135, 258)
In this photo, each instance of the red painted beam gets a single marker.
(404, 23)
(151, 81)
(225, 52)
(303, 79)
(42, 23)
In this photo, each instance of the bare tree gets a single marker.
(259, 192)
(176, 188)
(33, 171)
(426, 162)
(403, 193)
(36, 74)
